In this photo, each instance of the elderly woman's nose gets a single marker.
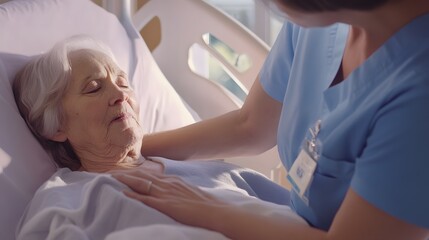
(119, 95)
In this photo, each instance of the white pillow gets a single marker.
(29, 27)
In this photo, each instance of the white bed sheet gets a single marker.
(81, 205)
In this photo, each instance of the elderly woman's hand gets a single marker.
(174, 197)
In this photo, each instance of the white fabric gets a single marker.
(29, 27)
(165, 231)
(82, 205)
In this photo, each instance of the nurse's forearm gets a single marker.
(225, 136)
(247, 131)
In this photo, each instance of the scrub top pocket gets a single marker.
(331, 177)
(334, 168)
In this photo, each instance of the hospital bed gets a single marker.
(172, 82)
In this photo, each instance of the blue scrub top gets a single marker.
(374, 124)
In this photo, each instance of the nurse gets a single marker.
(344, 95)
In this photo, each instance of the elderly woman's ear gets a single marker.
(59, 136)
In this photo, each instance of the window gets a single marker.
(254, 15)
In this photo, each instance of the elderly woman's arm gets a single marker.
(356, 218)
(247, 131)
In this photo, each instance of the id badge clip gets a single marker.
(301, 173)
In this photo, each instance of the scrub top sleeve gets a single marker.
(274, 75)
(393, 170)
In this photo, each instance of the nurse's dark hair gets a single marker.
(333, 5)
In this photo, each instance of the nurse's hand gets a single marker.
(194, 207)
(172, 196)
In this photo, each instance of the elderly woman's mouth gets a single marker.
(121, 117)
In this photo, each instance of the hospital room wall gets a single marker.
(151, 33)
(251, 13)
(267, 30)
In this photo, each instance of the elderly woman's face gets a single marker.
(101, 113)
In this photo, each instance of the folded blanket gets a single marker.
(82, 205)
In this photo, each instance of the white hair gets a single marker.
(44, 80)
(40, 86)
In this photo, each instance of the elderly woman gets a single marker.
(80, 106)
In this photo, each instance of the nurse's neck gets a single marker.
(371, 29)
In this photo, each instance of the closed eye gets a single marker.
(93, 91)
(122, 81)
(92, 87)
